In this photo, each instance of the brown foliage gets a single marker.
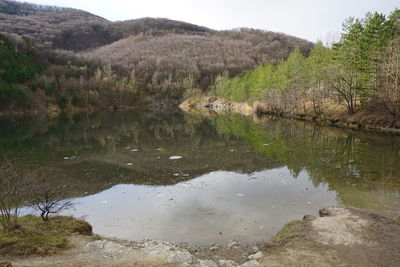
(174, 57)
(160, 56)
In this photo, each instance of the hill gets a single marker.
(171, 60)
(77, 30)
(154, 57)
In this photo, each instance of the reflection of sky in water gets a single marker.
(244, 207)
(92, 152)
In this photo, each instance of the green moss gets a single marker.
(289, 231)
(34, 236)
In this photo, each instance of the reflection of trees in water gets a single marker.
(95, 129)
(332, 156)
(90, 149)
(336, 157)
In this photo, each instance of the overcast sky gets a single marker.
(309, 19)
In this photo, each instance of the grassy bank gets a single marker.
(32, 236)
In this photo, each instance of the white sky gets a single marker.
(309, 19)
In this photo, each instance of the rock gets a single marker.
(340, 226)
(227, 263)
(250, 263)
(207, 263)
(167, 251)
(256, 256)
(326, 212)
(233, 244)
(109, 247)
(245, 254)
(255, 249)
(308, 218)
(214, 248)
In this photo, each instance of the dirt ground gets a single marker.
(339, 237)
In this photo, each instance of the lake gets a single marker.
(204, 179)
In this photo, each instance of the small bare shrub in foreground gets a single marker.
(49, 197)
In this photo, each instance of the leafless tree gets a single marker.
(13, 184)
(391, 69)
(49, 197)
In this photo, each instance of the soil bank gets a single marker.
(339, 237)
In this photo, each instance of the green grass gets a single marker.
(289, 231)
(34, 236)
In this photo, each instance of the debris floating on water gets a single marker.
(175, 157)
(71, 157)
(239, 195)
(104, 202)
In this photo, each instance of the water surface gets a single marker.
(202, 180)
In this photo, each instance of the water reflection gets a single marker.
(215, 207)
(362, 168)
(189, 178)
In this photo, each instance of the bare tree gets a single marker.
(13, 184)
(49, 198)
(391, 69)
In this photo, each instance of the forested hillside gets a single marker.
(359, 71)
(37, 79)
(17, 66)
(156, 58)
(76, 30)
(173, 63)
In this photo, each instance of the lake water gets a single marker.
(204, 179)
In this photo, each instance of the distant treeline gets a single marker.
(362, 68)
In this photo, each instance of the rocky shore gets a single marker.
(370, 119)
(339, 237)
(216, 105)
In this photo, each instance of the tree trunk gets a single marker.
(42, 215)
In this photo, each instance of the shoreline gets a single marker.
(363, 120)
(57, 112)
(340, 236)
